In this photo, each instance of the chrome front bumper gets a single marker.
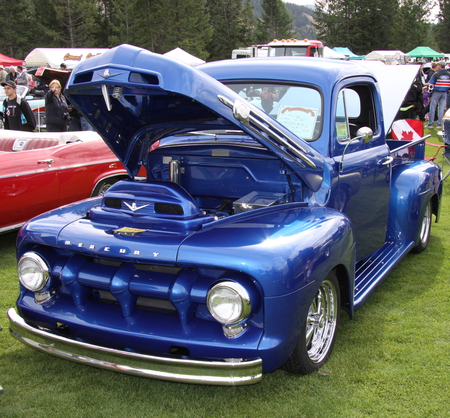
(232, 372)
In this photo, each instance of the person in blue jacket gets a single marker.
(438, 87)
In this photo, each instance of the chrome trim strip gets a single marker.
(11, 228)
(410, 143)
(274, 134)
(47, 170)
(232, 372)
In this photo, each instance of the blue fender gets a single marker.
(288, 251)
(52, 222)
(412, 189)
(283, 248)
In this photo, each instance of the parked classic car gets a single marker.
(273, 199)
(42, 171)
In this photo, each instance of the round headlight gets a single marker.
(228, 302)
(33, 272)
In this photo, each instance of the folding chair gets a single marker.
(445, 155)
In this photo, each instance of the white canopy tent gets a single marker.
(181, 55)
(330, 53)
(53, 57)
(394, 56)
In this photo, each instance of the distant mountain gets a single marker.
(302, 17)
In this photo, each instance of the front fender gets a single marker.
(52, 223)
(412, 189)
(283, 248)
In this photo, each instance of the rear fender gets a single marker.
(412, 189)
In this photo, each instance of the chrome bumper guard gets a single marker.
(232, 372)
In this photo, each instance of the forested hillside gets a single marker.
(302, 17)
(209, 29)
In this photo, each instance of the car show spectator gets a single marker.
(63, 66)
(439, 86)
(31, 83)
(412, 105)
(22, 76)
(56, 108)
(3, 74)
(12, 75)
(16, 111)
(426, 95)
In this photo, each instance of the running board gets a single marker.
(373, 270)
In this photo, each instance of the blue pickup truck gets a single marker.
(272, 200)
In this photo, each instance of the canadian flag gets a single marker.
(407, 129)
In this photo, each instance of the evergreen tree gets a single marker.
(162, 25)
(16, 28)
(144, 29)
(233, 26)
(47, 24)
(443, 25)
(113, 23)
(78, 19)
(275, 22)
(411, 25)
(361, 25)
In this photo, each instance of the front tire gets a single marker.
(425, 229)
(319, 330)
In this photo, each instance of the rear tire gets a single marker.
(319, 329)
(425, 230)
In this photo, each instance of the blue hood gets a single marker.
(134, 98)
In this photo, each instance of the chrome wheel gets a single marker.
(426, 225)
(425, 229)
(104, 187)
(318, 333)
(321, 322)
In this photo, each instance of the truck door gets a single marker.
(363, 168)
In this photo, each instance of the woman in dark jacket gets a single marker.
(56, 109)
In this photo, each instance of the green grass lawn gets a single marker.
(391, 360)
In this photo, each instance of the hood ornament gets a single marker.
(107, 74)
(133, 207)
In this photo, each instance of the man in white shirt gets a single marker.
(22, 76)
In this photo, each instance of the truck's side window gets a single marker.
(354, 110)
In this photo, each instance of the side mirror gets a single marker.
(364, 133)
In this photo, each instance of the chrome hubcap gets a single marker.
(425, 230)
(321, 322)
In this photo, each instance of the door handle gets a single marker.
(386, 161)
(49, 161)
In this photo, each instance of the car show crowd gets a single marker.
(427, 100)
(60, 116)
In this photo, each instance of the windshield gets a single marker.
(290, 51)
(298, 108)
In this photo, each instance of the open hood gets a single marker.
(392, 93)
(134, 98)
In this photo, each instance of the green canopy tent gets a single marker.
(424, 52)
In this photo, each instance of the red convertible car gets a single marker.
(40, 171)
